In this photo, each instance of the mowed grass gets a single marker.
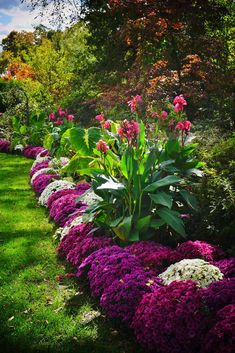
(38, 313)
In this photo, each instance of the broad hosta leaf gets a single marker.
(172, 219)
(189, 198)
(162, 198)
(168, 180)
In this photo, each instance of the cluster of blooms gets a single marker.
(60, 117)
(106, 124)
(171, 319)
(42, 171)
(219, 294)
(107, 265)
(199, 249)
(4, 145)
(179, 103)
(227, 266)
(39, 166)
(52, 188)
(152, 255)
(192, 269)
(42, 180)
(65, 206)
(19, 148)
(58, 163)
(89, 197)
(221, 337)
(33, 151)
(134, 102)
(40, 159)
(129, 130)
(121, 298)
(102, 146)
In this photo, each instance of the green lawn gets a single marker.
(37, 312)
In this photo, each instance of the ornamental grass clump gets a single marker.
(197, 270)
(199, 250)
(172, 319)
(219, 294)
(4, 145)
(152, 255)
(107, 265)
(121, 298)
(42, 180)
(54, 187)
(221, 337)
(227, 267)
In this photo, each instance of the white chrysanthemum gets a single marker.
(42, 171)
(40, 160)
(53, 187)
(89, 197)
(19, 147)
(195, 269)
(59, 162)
(75, 222)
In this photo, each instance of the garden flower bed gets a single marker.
(154, 289)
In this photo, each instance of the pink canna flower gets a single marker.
(179, 126)
(154, 114)
(120, 131)
(107, 125)
(100, 117)
(187, 125)
(61, 111)
(179, 103)
(59, 122)
(163, 115)
(70, 117)
(134, 102)
(52, 116)
(102, 146)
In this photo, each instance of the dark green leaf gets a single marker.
(168, 180)
(162, 198)
(172, 219)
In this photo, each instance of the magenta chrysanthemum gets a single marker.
(78, 190)
(152, 255)
(219, 294)
(4, 145)
(200, 250)
(33, 151)
(121, 298)
(39, 166)
(107, 265)
(221, 337)
(172, 319)
(40, 183)
(227, 267)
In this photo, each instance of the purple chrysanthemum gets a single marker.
(153, 255)
(221, 337)
(199, 250)
(219, 294)
(121, 298)
(227, 267)
(40, 183)
(172, 319)
(4, 145)
(107, 265)
(39, 166)
(33, 151)
(78, 190)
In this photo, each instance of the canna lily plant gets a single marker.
(150, 188)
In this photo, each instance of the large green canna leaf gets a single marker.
(162, 198)
(168, 180)
(172, 219)
(84, 140)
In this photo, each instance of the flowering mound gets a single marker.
(42, 171)
(63, 207)
(33, 151)
(78, 190)
(59, 162)
(199, 250)
(152, 255)
(52, 188)
(42, 180)
(4, 145)
(107, 265)
(172, 319)
(70, 240)
(221, 337)
(192, 269)
(121, 298)
(219, 294)
(38, 167)
(227, 267)
(86, 245)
